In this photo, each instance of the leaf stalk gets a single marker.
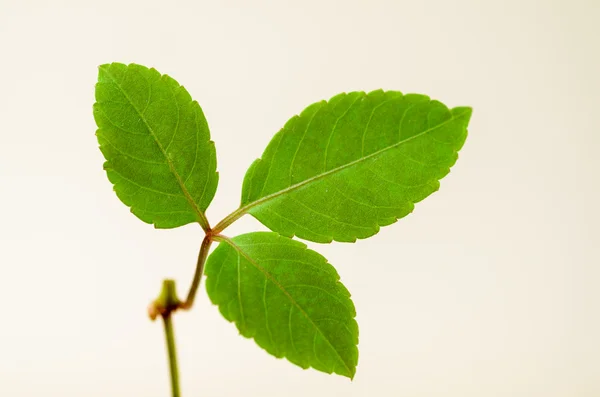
(202, 255)
(229, 219)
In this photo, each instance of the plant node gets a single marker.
(166, 303)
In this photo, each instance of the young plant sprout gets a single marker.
(338, 171)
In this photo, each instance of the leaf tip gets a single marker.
(106, 66)
(463, 112)
(350, 373)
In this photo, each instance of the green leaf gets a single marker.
(286, 297)
(157, 145)
(343, 168)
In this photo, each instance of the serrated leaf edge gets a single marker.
(200, 214)
(238, 249)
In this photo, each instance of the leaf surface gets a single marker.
(286, 297)
(345, 167)
(157, 145)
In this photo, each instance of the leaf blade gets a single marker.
(314, 181)
(286, 297)
(157, 145)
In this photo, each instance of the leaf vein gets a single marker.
(317, 288)
(146, 187)
(239, 291)
(324, 215)
(297, 224)
(111, 122)
(178, 119)
(402, 120)
(270, 166)
(264, 301)
(292, 164)
(359, 97)
(130, 155)
(364, 134)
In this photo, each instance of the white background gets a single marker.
(490, 288)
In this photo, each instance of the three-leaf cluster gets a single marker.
(338, 171)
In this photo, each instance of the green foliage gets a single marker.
(157, 145)
(343, 168)
(286, 297)
(338, 171)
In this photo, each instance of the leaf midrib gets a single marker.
(263, 200)
(286, 293)
(202, 218)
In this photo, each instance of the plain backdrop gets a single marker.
(490, 288)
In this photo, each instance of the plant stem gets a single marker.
(202, 255)
(170, 336)
(166, 303)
